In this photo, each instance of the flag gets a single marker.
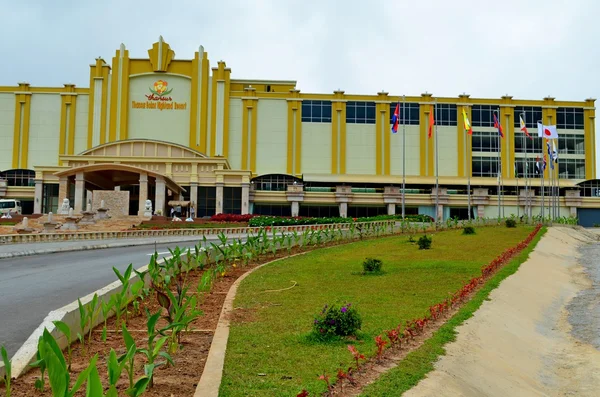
(467, 123)
(540, 165)
(524, 128)
(549, 155)
(396, 118)
(547, 131)
(431, 120)
(498, 126)
(554, 152)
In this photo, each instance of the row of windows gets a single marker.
(19, 177)
(567, 168)
(569, 118)
(445, 114)
(409, 113)
(487, 142)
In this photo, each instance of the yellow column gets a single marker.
(464, 140)
(298, 155)
(293, 112)
(549, 118)
(119, 98)
(98, 72)
(338, 128)
(199, 98)
(249, 107)
(21, 130)
(508, 143)
(67, 120)
(426, 156)
(221, 75)
(589, 118)
(382, 149)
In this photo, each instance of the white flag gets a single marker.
(547, 131)
(554, 152)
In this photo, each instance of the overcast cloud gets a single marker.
(528, 49)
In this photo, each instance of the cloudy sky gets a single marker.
(528, 48)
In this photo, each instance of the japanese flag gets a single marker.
(547, 131)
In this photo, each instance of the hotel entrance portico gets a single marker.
(148, 169)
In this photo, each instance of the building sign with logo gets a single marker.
(159, 98)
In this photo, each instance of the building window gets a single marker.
(232, 200)
(569, 118)
(590, 188)
(571, 144)
(485, 166)
(18, 177)
(445, 114)
(409, 113)
(526, 145)
(316, 111)
(272, 209)
(532, 114)
(50, 198)
(206, 201)
(360, 112)
(530, 167)
(274, 182)
(571, 168)
(481, 115)
(485, 141)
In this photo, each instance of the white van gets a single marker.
(10, 206)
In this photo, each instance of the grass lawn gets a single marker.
(270, 354)
(418, 363)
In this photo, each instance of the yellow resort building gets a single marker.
(165, 129)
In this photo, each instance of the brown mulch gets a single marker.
(180, 380)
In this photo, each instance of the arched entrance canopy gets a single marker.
(108, 175)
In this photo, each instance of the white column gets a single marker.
(295, 208)
(159, 198)
(391, 209)
(143, 196)
(344, 210)
(245, 198)
(219, 198)
(194, 196)
(37, 204)
(79, 193)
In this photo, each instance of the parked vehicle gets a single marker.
(11, 206)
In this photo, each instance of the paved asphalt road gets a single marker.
(33, 286)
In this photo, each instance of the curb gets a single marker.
(210, 381)
(7, 255)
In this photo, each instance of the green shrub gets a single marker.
(511, 223)
(372, 265)
(424, 242)
(337, 321)
(468, 230)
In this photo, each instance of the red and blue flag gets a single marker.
(396, 118)
(498, 126)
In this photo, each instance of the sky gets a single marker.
(528, 49)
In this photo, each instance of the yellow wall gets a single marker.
(271, 140)
(81, 124)
(447, 150)
(7, 122)
(360, 149)
(413, 153)
(235, 133)
(44, 129)
(172, 123)
(316, 148)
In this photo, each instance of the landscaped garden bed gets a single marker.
(317, 278)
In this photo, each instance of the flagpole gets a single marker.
(499, 167)
(437, 184)
(468, 171)
(522, 115)
(403, 155)
(557, 179)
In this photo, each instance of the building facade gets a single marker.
(168, 129)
